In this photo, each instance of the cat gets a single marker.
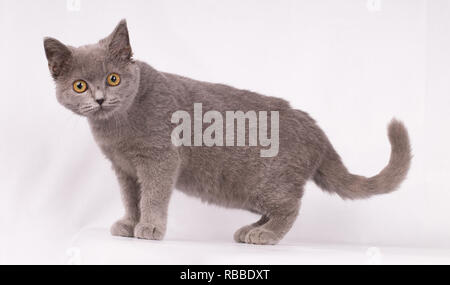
(129, 104)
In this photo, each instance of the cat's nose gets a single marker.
(99, 98)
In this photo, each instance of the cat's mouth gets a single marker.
(100, 110)
(104, 111)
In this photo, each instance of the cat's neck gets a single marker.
(109, 126)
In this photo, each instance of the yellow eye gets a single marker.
(113, 79)
(79, 86)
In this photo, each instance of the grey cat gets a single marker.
(128, 105)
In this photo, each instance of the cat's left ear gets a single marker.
(58, 56)
(119, 42)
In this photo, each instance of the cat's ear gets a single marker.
(58, 56)
(119, 42)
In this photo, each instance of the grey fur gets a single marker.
(133, 130)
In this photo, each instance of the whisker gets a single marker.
(88, 110)
(109, 105)
(86, 107)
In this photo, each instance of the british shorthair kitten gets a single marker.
(132, 110)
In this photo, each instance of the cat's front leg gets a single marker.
(130, 193)
(156, 174)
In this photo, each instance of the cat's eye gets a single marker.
(113, 79)
(80, 86)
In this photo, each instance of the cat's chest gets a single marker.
(121, 156)
(119, 149)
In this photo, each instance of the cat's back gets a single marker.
(223, 97)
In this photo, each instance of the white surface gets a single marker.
(352, 69)
(95, 246)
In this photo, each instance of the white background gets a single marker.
(352, 69)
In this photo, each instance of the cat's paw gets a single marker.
(261, 236)
(239, 235)
(123, 228)
(148, 231)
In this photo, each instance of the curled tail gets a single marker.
(332, 175)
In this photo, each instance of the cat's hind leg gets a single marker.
(279, 208)
(239, 235)
(272, 231)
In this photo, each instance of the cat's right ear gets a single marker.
(58, 56)
(119, 42)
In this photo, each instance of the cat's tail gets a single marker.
(332, 175)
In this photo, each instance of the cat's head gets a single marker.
(95, 80)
